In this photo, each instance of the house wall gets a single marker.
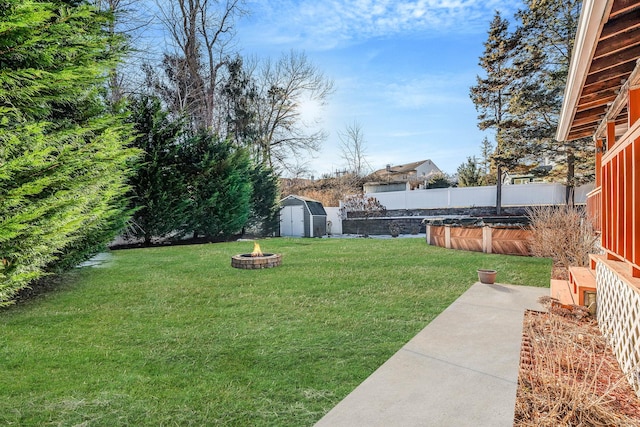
(377, 188)
(426, 168)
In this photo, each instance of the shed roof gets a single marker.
(605, 54)
(315, 207)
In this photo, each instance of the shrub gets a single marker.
(394, 228)
(362, 206)
(563, 234)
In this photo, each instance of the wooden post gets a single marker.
(634, 105)
(632, 178)
(626, 205)
(635, 202)
(428, 232)
(611, 135)
(499, 190)
(487, 243)
(447, 236)
(599, 147)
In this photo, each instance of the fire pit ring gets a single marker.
(252, 262)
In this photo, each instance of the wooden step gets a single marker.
(582, 279)
(562, 291)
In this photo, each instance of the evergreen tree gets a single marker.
(218, 176)
(159, 189)
(469, 173)
(545, 40)
(486, 151)
(63, 166)
(490, 96)
(240, 96)
(439, 180)
(265, 208)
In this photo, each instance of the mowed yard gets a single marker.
(175, 336)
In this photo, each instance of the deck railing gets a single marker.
(620, 203)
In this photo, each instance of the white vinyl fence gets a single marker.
(464, 197)
(334, 220)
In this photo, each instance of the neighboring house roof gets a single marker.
(406, 167)
(537, 172)
(605, 55)
(402, 173)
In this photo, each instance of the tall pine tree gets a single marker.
(490, 96)
(544, 42)
(63, 161)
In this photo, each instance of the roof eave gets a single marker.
(592, 18)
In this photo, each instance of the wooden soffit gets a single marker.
(606, 51)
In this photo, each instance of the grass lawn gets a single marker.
(175, 336)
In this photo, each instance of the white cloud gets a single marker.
(331, 23)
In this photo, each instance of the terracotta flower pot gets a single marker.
(487, 276)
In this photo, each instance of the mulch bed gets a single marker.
(568, 375)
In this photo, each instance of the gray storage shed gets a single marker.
(302, 217)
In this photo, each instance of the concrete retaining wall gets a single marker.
(380, 226)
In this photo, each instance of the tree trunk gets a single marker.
(499, 191)
(571, 166)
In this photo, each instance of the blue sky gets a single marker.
(402, 69)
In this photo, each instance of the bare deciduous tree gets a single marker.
(284, 84)
(201, 32)
(130, 21)
(259, 105)
(353, 149)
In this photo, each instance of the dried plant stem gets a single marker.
(566, 380)
(563, 234)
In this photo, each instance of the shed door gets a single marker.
(292, 221)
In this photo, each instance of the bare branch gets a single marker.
(353, 148)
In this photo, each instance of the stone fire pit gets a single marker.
(256, 259)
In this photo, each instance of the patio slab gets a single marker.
(460, 370)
